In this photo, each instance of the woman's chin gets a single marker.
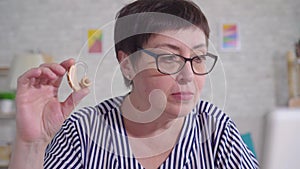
(179, 110)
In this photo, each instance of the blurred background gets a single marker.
(249, 81)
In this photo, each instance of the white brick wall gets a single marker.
(255, 76)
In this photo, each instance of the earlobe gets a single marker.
(121, 56)
(125, 65)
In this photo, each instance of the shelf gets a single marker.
(4, 71)
(7, 115)
(5, 152)
(4, 163)
(294, 102)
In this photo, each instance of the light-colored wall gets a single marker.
(247, 84)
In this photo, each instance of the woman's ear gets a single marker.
(126, 65)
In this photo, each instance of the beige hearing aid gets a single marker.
(73, 80)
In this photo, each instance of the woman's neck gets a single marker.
(148, 123)
(150, 134)
(152, 129)
(153, 139)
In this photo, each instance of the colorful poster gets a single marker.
(230, 39)
(94, 41)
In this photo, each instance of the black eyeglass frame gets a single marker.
(215, 57)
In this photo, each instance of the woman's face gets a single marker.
(178, 93)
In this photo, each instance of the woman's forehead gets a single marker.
(189, 37)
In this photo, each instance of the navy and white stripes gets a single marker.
(95, 137)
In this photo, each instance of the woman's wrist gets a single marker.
(27, 154)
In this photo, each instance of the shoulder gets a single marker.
(102, 110)
(208, 111)
(87, 126)
(229, 148)
(87, 120)
(109, 104)
(215, 120)
(214, 124)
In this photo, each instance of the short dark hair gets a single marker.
(137, 21)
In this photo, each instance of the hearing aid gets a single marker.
(73, 79)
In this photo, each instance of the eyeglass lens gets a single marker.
(171, 64)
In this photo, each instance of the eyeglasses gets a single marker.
(173, 63)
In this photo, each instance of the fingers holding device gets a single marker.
(73, 79)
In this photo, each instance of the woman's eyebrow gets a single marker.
(174, 47)
(168, 46)
(202, 45)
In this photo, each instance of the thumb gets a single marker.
(72, 101)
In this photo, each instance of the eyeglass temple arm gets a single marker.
(148, 52)
(212, 55)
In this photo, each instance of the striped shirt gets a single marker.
(95, 137)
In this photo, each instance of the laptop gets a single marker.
(282, 140)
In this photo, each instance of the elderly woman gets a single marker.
(162, 48)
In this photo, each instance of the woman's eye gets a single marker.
(199, 59)
(170, 58)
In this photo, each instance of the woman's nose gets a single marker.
(186, 74)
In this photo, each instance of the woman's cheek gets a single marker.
(199, 83)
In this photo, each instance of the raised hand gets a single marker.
(39, 112)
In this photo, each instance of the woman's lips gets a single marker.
(183, 96)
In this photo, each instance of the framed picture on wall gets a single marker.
(95, 41)
(230, 37)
